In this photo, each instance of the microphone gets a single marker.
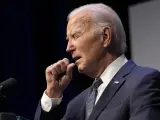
(7, 116)
(8, 85)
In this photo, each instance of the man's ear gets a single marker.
(106, 36)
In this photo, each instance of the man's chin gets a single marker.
(80, 69)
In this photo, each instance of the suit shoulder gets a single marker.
(140, 76)
(141, 70)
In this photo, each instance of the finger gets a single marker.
(63, 66)
(64, 82)
(50, 70)
(70, 70)
(66, 61)
(57, 68)
(66, 79)
(60, 66)
(51, 74)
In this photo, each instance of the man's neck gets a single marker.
(102, 65)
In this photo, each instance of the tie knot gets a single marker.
(97, 82)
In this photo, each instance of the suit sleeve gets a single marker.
(59, 113)
(55, 114)
(145, 101)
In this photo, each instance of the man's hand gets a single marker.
(58, 76)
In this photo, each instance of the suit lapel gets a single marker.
(111, 89)
(81, 114)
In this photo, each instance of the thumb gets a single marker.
(68, 76)
(70, 70)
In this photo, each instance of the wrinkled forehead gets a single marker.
(78, 22)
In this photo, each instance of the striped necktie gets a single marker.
(92, 97)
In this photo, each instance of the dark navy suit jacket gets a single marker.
(136, 96)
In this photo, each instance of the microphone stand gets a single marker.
(1, 95)
(3, 100)
(4, 115)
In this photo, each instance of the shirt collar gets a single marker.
(112, 69)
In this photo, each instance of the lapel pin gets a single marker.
(116, 82)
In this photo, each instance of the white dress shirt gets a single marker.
(48, 103)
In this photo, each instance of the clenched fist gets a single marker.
(58, 76)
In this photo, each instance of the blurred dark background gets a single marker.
(32, 36)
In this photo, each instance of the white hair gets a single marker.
(102, 16)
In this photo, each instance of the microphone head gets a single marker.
(8, 86)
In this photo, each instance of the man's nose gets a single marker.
(70, 46)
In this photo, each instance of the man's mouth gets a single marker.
(76, 58)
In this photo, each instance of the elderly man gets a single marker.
(121, 89)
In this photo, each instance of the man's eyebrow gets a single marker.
(69, 35)
(73, 33)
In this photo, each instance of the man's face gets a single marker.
(85, 47)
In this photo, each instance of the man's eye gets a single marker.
(75, 36)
